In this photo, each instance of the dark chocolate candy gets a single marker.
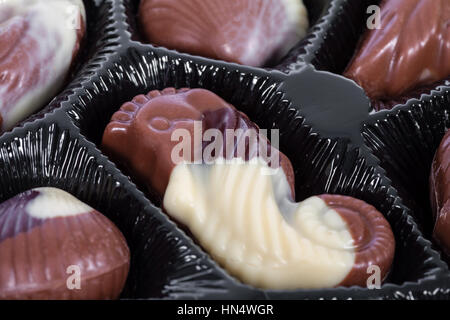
(440, 194)
(250, 32)
(53, 246)
(411, 49)
(139, 134)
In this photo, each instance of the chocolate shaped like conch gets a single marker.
(249, 32)
(240, 208)
(410, 49)
(440, 194)
(39, 40)
(55, 247)
(141, 134)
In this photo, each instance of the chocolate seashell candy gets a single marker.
(440, 194)
(410, 49)
(249, 32)
(39, 41)
(53, 246)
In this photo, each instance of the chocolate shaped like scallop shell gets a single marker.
(53, 246)
(249, 32)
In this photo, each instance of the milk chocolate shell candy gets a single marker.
(246, 221)
(440, 194)
(140, 134)
(53, 246)
(39, 40)
(249, 32)
(411, 48)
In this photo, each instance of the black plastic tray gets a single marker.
(327, 129)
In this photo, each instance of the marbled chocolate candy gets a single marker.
(53, 246)
(39, 40)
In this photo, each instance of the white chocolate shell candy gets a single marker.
(249, 32)
(38, 42)
(243, 217)
(53, 246)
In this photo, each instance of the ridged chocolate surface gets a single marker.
(139, 134)
(251, 32)
(36, 253)
(411, 48)
(245, 220)
(374, 242)
(24, 166)
(440, 194)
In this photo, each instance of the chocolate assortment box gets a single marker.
(85, 172)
